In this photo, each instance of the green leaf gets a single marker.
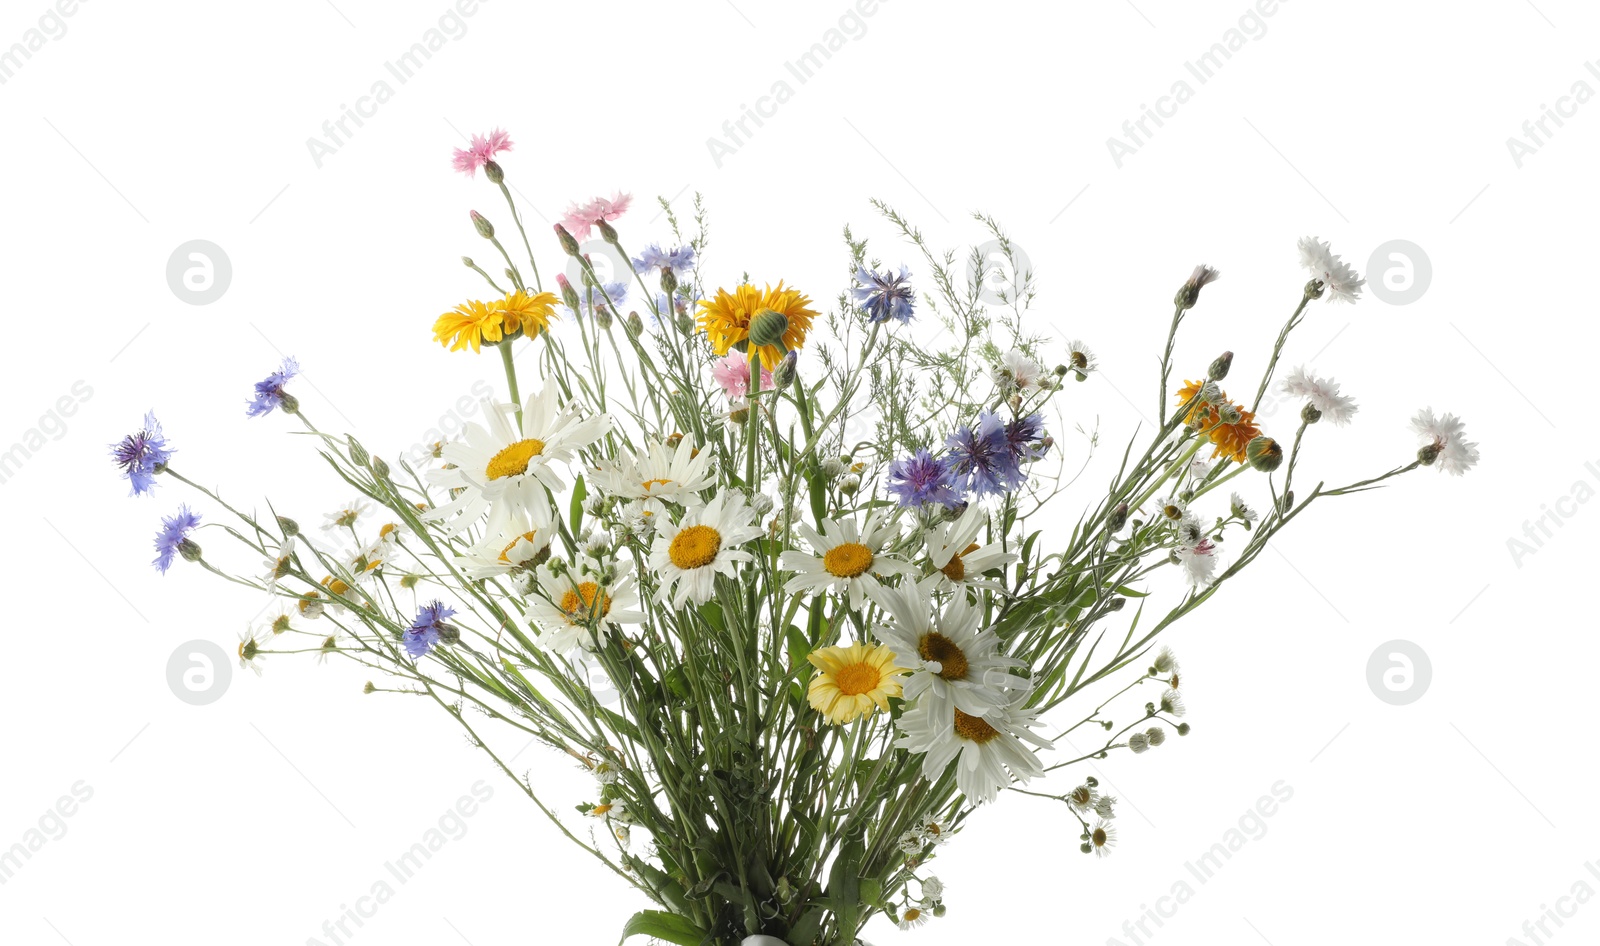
(667, 926)
(844, 887)
(579, 491)
(872, 891)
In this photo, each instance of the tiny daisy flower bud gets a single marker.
(1219, 368)
(938, 909)
(761, 504)
(1166, 662)
(1156, 735)
(1309, 414)
(289, 526)
(368, 687)
(1116, 604)
(468, 263)
(568, 244)
(834, 467)
(1183, 729)
(598, 544)
(1264, 454)
(1085, 847)
(850, 484)
(493, 172)
(482, 225)
(1138, 742)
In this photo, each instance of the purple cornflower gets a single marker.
(424, 633)
(884, 296)
(270, 393)
(654, 259)
(923, 479)
(174, 538)
(1026, 437)
(982, 459)
(140, 454)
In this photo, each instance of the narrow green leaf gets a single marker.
(661, 925)
(579, 491)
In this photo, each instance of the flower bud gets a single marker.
(1309, 414)
(633, 325)
(190, 550)
(409, 581)
(761, 504)
(449, 634)
(784, 374)
(1189, 292)
(569, 295)
(380, 468)
(1183, 729)
(482, 225)
(939, 909)
(1429, 453)
(1219, 368)
(767, 328)
(1314, 289)
(289, 526)
(1116, 604)
(849, 485)
(686, 325)
(603, 316)
(494, 172)
(1264, 454)
(739, 415)
(358, 453)
(1138, 742)
(1156, 735)
(1118, 518)
(607, 231)
(568, 244)
(468, 263)
(288, 403)
(669, 281)
(368, 687)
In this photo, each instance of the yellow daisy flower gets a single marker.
(528, 314)
(855, 681)
(474, 323)
(726, 319)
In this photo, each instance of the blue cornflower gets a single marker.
(1026, 437)
(174, 538)
(654, 259)
(424, 633)
(270, 393)
(923, 479)
(884, 296)
(139, 454)
(982, 459)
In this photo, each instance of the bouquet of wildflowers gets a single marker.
(826, 632)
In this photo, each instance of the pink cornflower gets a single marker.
(481, 151)
(579, 219)
(733, 374)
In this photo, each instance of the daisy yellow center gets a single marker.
(956, 569)
(648, 485)
(513, 460)
(387, 530)
(599, 810)
(505, 553)
(952, 659)
(856, 679)
(847, 560)
(695, 547)
(912, 915)
(579, 602)
(974, 728)
(1099, 837)
(335, 585)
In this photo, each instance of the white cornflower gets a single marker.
(1199, 561)
(1445, 437)
(690, 554)
(1021, 370)
(575, 609)
(1102, 839)
(1241, 509)
(661, 475)
(1323, 393)
(508, 461)
(988, 751)
(1190, 532)
(960, 560)
(1340, 281)
(953, 663)
(347, 515)
(844, 558)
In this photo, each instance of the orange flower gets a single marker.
(726, 319)
(1231, 439)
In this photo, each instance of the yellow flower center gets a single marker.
(847, 560)
(505, 553)
(912, 915)
(650, 484)
(956, 569)
(856, 679)
(579, 602)
(974, 728)
(1099, 837)
(387, 530)
(952, 659)
(599, 810)
(335, 586)
(513, 460)
(694, 547)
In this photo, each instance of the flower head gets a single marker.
(1026, 437)
(1019, 371)
(269, 391)
(140, 454)
(988, 750)
(174, 537)
(474, 323)
(580, 218)
(707, 542)
(480, 151)
(1322, 393)
(884, 296)
(1211, 418)
(1444, 438)
(1340, 281)
(428, 629)
(653, 259)
(982, 457)
(844, 558)
(853, 681)
(727, 320)
(1080, 360)
(732, 374)
(923, 480)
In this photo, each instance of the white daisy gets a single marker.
(1080, 359)
(507, 461)
(932, 889)
(1446, 435)
(1240, 508)
(346, 516)
(1082, 799)
(990, 748)
(1172, 704)
(574, 604)
(1323, 393)
(1102, 839)
(249, 650)
(281, 561)
(955, 664)
(1340, 281)
(843, 558)
(519, 539)
(1020, 370)
(1199, 561)
(954, 551)
(1166, 660)
(690, 554)
(660, 476)
(912, 917)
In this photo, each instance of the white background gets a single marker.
(1453, 819)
